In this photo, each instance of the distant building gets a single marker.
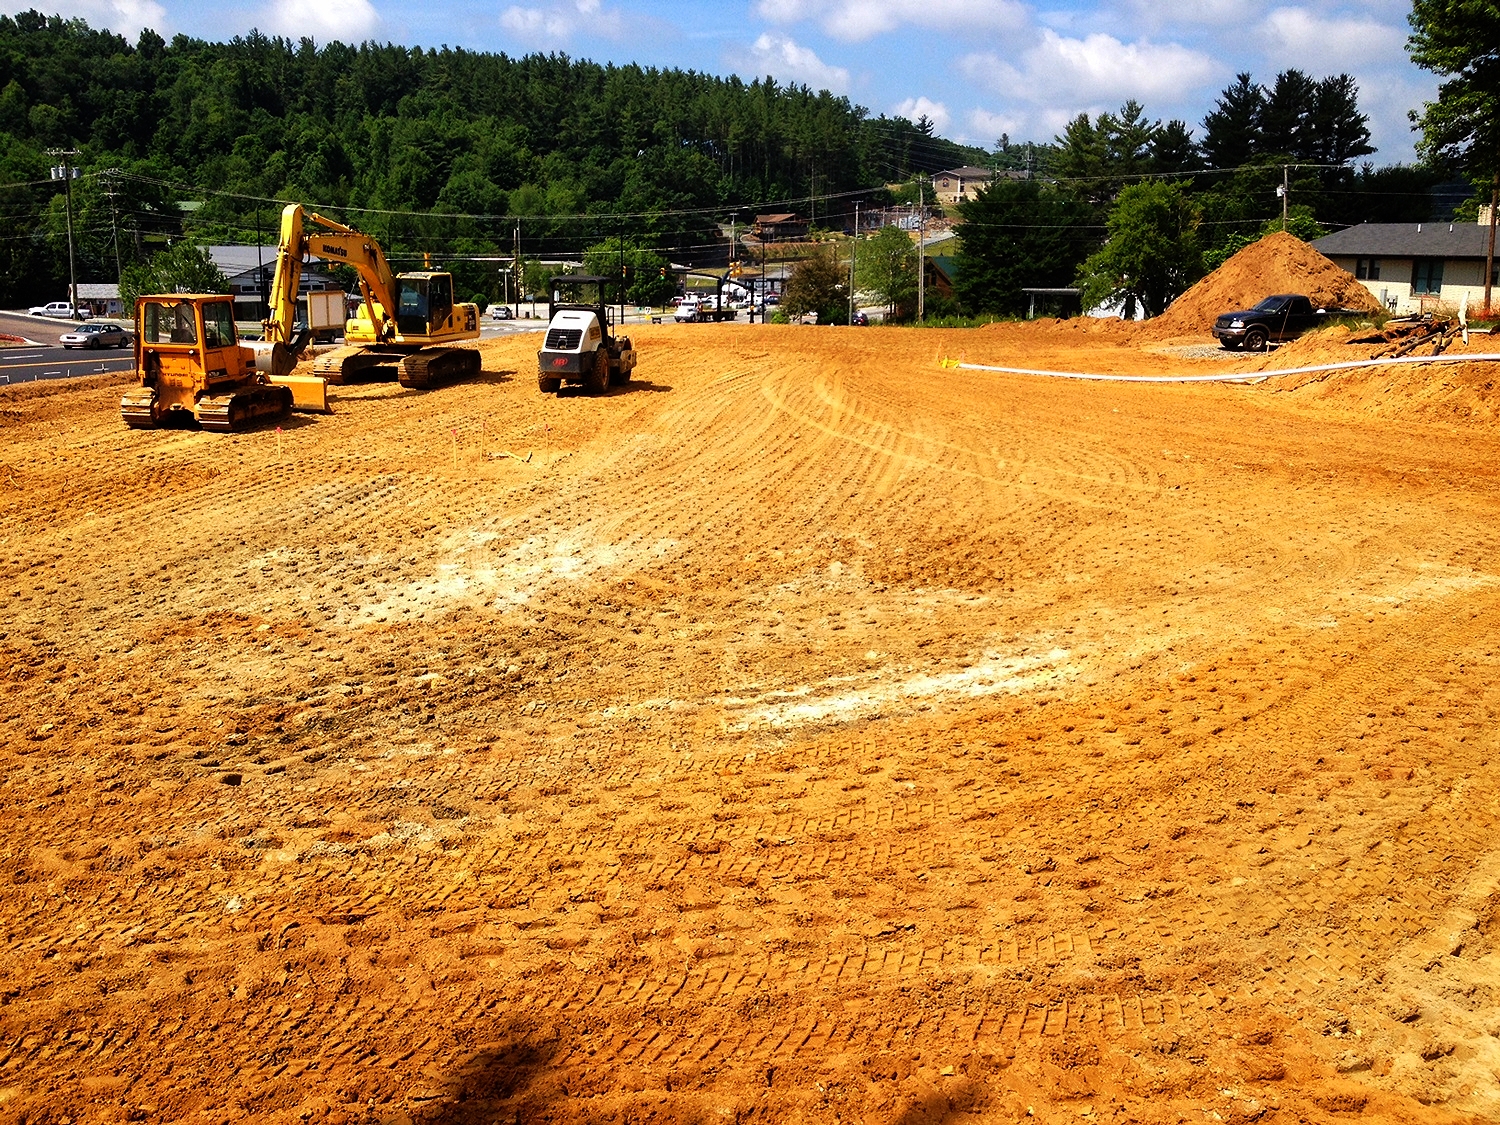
(959, 184)
(251, 269)
(780, 228)
(1412, 266)
(100, 298)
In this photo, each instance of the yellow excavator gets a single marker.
(406, 321)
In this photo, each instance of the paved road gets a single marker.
(24, 364)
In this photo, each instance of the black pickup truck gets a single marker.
(1284, 316)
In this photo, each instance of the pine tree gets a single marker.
(1231, 133)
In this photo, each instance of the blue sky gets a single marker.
(978, 68)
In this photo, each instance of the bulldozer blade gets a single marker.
(309, 393)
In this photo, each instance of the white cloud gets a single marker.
(1067, 72)
(862, 19)
(124, 17)
(789, 61)
(985, 128)
(560, 20)
(1385, 103)
(936, 112)
(1299, 38)
(322, 20)
(1211, 13)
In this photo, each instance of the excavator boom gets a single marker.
(405, 320)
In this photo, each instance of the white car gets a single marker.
(60, 309)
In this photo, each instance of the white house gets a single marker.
(1412, 267)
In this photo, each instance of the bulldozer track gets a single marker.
(242, 409)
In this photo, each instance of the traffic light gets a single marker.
(662, 273)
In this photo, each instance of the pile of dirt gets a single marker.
(1278, 263)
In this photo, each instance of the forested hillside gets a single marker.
(453, 144)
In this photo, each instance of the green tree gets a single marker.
(1231, 133)
(183, 268)
(648, 277)
(1460, 40)
(886, 265)
(1341, 134)
(1018, 234)
(535, 278)
(818, 284)
(1152, 252)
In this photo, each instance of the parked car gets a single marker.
(501, 312)
(861, 319)
(96, 335)
(59, 309)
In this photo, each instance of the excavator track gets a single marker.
(138, 408)
(433, 366)
(227, 413)
(353, 364)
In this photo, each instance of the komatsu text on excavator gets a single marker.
(406, 322)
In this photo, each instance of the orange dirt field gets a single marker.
(803, 733)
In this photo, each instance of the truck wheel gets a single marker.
(548, 385)
(1255, 340)
(597, 378)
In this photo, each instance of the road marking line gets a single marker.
(122, 359)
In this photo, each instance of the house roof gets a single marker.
(238, 259)
(969, 172)
(1406, 240)
(778, 219)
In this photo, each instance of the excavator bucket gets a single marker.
(309, 393)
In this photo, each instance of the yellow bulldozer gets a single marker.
(191, 362)
(406, 324)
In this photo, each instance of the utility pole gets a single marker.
(1285, 192)
(517, 268)
(921, 252)
(853, 253)
(66, 172)
(1489, 259)
(110, 189)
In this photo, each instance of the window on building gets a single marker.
(1367, 269)
(1427, 275)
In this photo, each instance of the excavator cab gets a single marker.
(425, 303)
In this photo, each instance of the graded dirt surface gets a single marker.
(805, 732)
